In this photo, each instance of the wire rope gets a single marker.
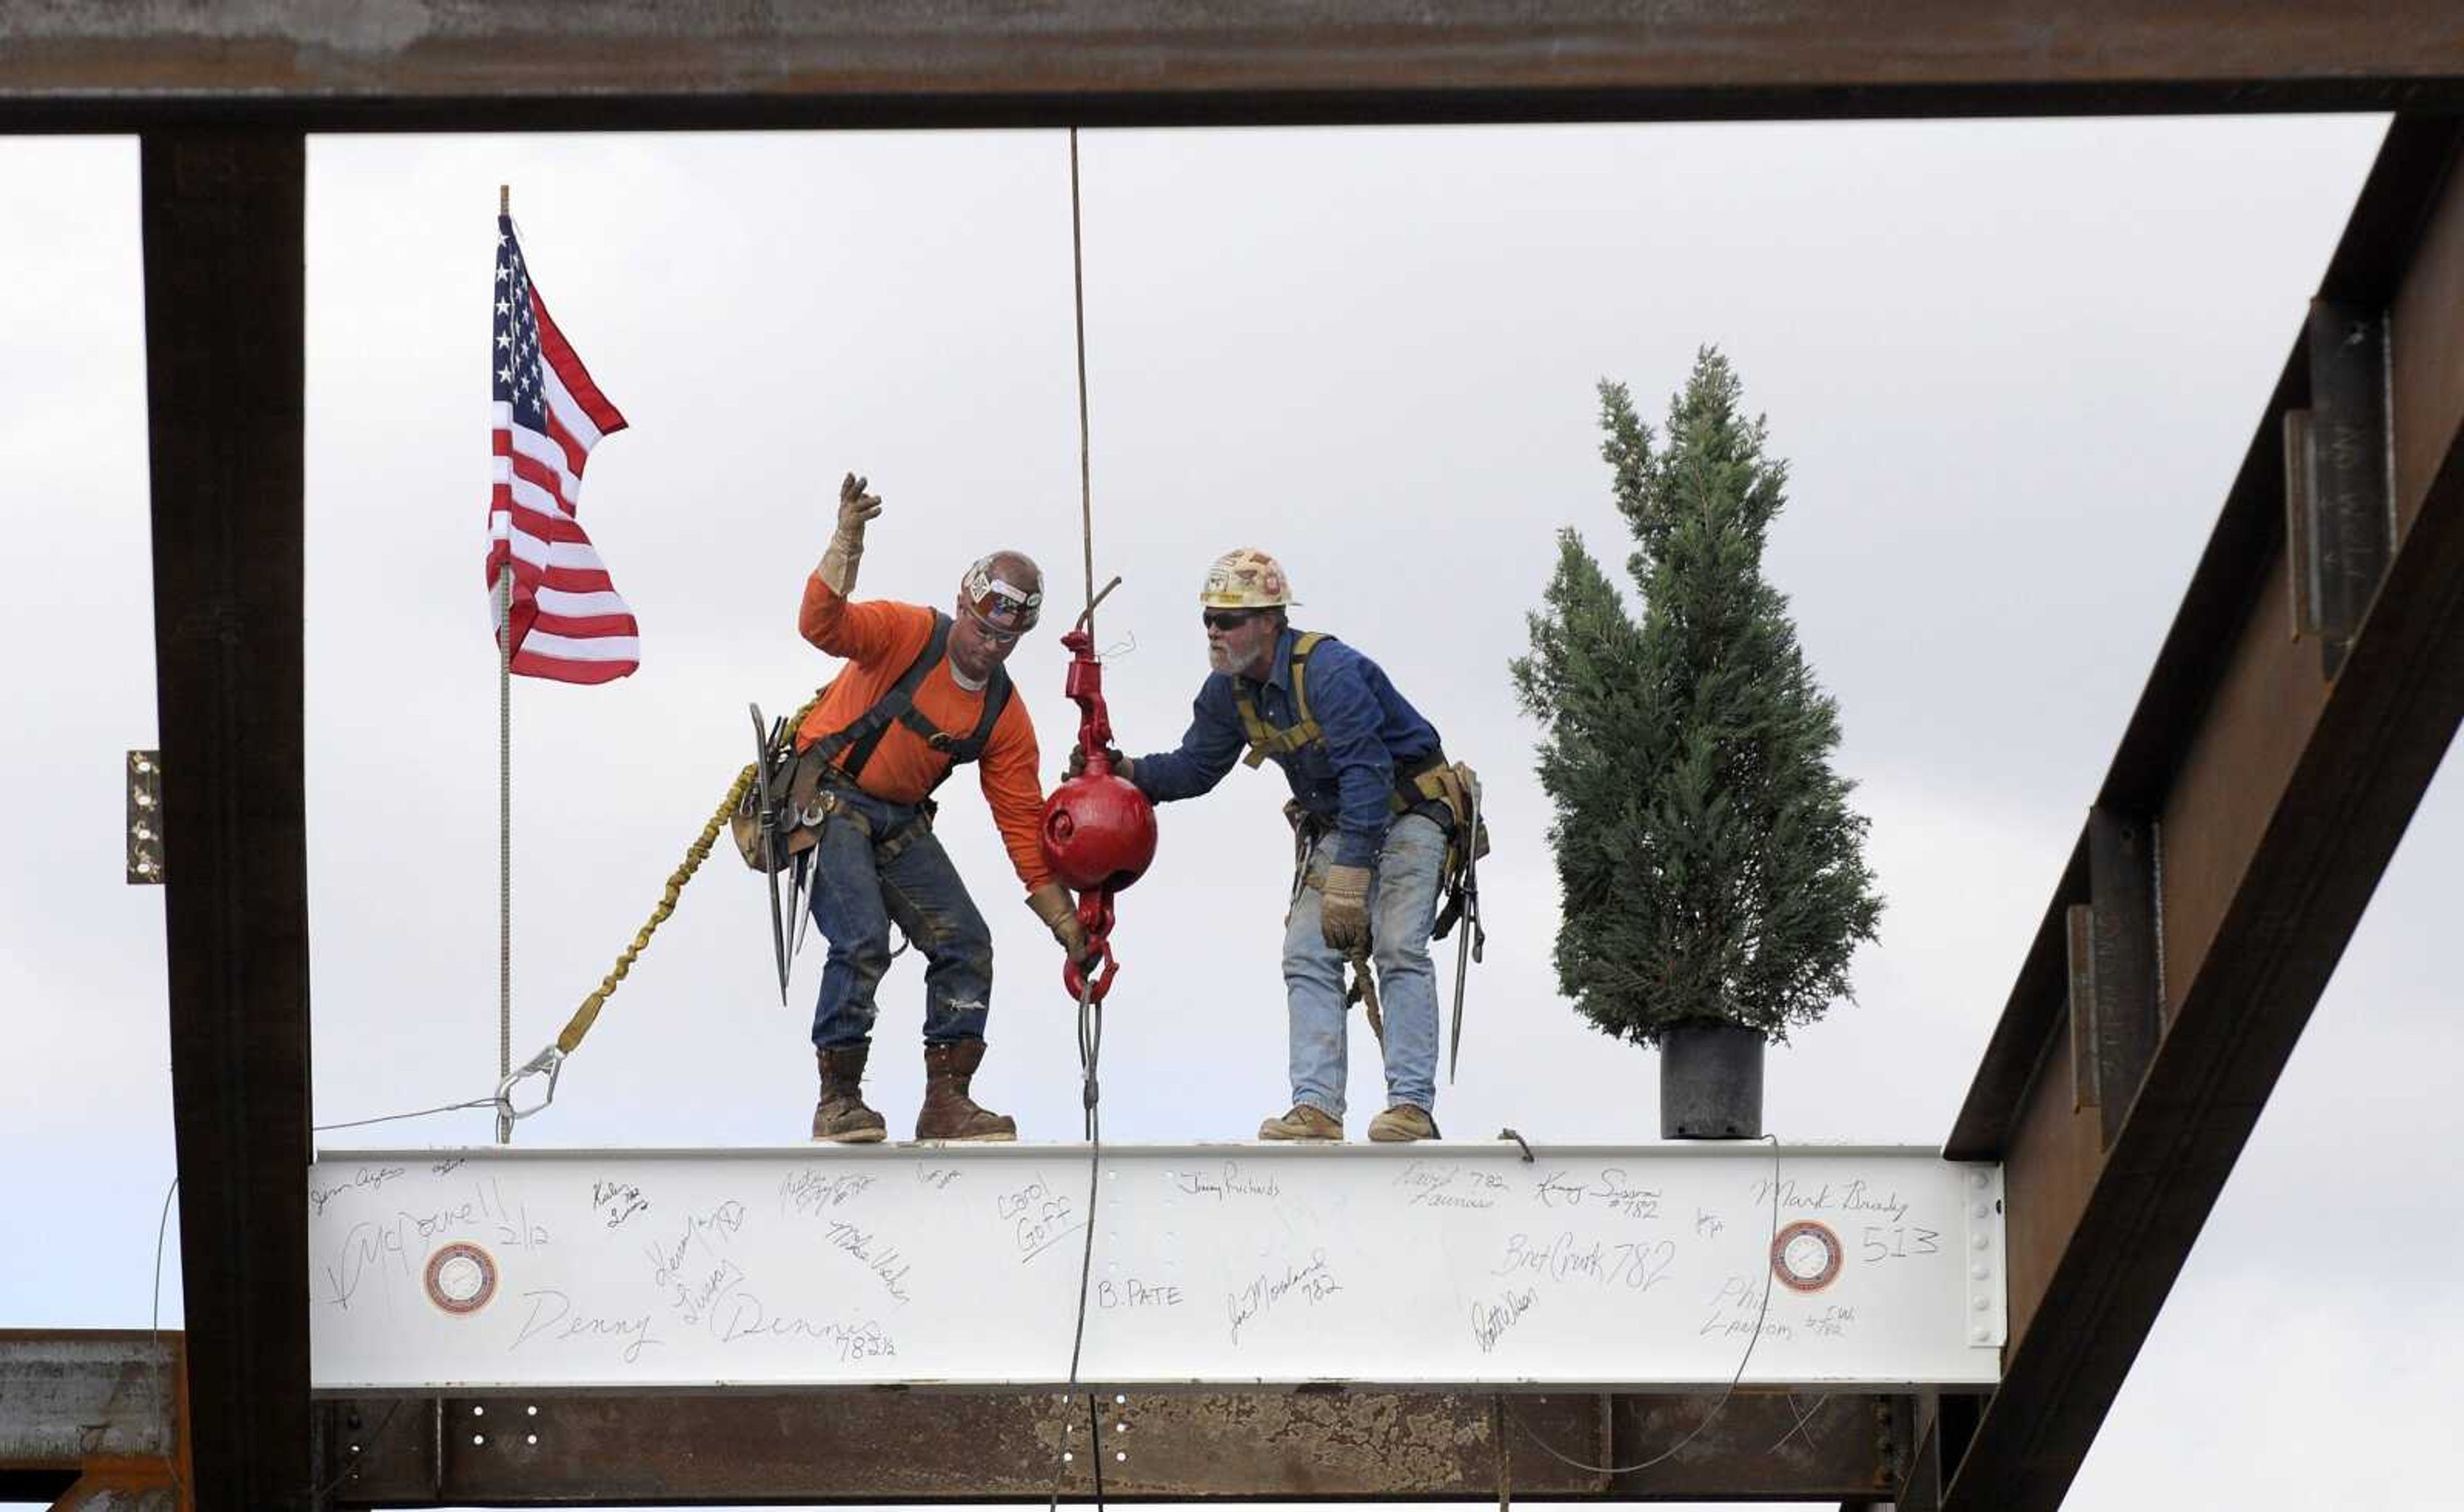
(1090, 1006)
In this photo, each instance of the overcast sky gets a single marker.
(2014, 367)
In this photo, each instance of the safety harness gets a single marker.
(862, 735)
(1266, 741)
(1430, 779)
(803, 788)
(1431, 784)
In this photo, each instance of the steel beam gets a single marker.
(881, 1446)
(1468, 1267)
(223, 218)
(91, 1417)
(2277, 776)
(490, 65)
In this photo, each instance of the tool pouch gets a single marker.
(1451, 787)
(1462, 783)
(798, 804)
(1458, 786)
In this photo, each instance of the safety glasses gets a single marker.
(1228, 619)
(986, 628)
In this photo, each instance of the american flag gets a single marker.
(569, 621)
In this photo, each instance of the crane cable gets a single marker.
(569, 1038)
(1090, 1007)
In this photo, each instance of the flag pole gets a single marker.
(504, 806)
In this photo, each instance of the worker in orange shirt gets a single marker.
(922, 693)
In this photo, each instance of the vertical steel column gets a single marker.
(224, 236)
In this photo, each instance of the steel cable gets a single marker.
(1090, 1007)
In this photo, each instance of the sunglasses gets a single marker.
(1228, 619)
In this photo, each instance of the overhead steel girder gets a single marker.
(101, 1416)
(901, 1446)
(92, 1418)
(2299, 707)
(487, 65)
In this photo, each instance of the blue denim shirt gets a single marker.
(1347, 777)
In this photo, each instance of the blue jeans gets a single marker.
(856, 896)
(1403, 908)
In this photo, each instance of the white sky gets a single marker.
(2014, 367)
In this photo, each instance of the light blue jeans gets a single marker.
(1403, 908)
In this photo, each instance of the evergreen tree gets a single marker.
(1711, 866)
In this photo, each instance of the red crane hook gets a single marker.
(1099, 830)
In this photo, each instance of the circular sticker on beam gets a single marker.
(461, 1278)
(1805, 1256)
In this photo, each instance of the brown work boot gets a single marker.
(1303, 1121)
(1402, 1123)
(947, 1113)
(840, 1116)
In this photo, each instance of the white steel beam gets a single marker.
(1674, 1266)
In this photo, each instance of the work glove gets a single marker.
(1343, 918)
(845, 551)
(1051, 904)
(1076, 765)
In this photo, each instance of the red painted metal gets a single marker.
(1099, 830)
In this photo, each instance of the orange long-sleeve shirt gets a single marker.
(879, 638)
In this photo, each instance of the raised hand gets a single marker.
(856, 507)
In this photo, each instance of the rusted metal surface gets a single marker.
(1920, 1489)
(91, 1417)
(223, 218)
(2235, 774)
(2079, 943)
(2300, 570)
(875, 1446)
(513, 64)
(1946, 1421)
(71, 1397)
(2025, 1102)
(2121, 976)
(107, 1494)
(2056, 1149)
(1759, 1446)
(2346, 515)
(2281, 793)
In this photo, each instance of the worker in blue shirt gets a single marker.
(1373, 826)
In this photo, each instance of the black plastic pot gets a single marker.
(1710, 1082)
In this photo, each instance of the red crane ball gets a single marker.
(1099, 832)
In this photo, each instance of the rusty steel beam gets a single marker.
(927, 1447)
(490, 65)
(2269, 772)
(91, 1417)
(223, 217)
